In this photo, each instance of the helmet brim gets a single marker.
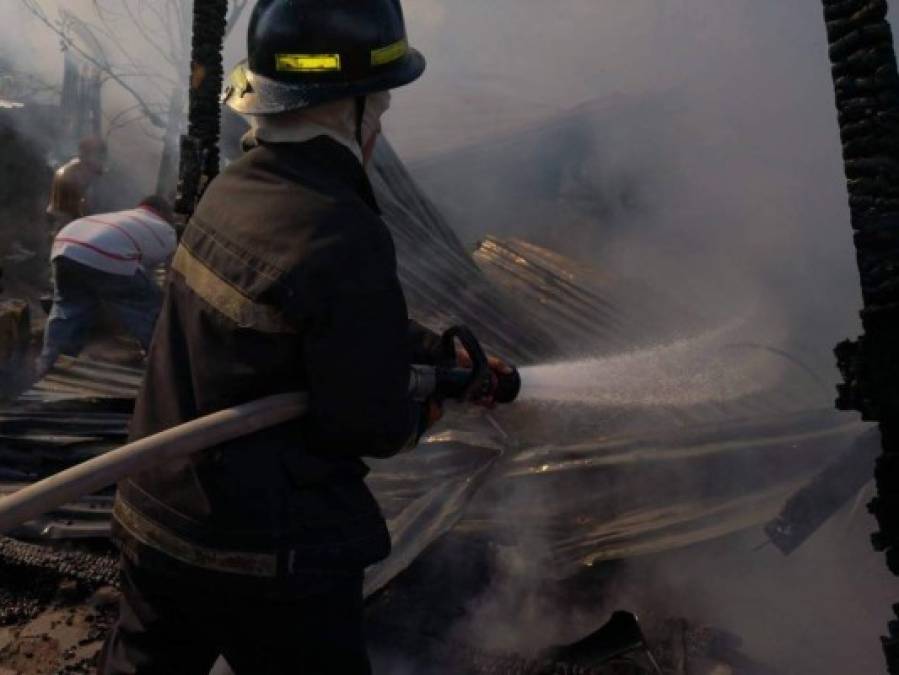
(265, 96)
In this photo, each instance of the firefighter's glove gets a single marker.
(497, 367)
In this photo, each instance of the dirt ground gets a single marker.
(60, 640)
(48, 627)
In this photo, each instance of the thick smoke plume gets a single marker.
(706, 137)
(702, 157)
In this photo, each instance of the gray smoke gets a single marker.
(703, 158)
(714, 123)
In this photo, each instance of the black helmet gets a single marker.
(306, 52)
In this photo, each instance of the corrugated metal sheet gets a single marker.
(443, 284)
(588, 313)
(81, 409)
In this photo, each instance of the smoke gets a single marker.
(694, 146)
(145, 46)
(691, 144)
(701, 151)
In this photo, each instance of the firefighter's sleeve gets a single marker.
(357, 357)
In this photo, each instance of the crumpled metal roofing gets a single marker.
(443, 283)
(572, 482)
(79, 410)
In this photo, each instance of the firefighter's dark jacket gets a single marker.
(285, 280)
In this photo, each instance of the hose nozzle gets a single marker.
(508, 386)
(465, 384)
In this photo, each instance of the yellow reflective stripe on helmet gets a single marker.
(390, 53)
(307, 63)
(227, 299)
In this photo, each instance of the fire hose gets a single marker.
(442, 383)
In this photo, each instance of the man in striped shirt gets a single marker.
(107, 261)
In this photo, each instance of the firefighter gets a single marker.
(285, 280)
(69, 192)
(107, 261)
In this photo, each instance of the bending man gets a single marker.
(107, 261)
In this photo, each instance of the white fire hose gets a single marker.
(177, 442)
(243, 420)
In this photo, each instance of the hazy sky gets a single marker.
(505, 62)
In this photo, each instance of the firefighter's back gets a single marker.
(274, 238)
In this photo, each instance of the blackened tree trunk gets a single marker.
(200, 147)
(867, 96)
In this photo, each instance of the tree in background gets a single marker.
(142, 47)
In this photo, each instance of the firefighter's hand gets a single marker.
(497, 367)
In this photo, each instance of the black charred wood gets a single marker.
(843, 9)
(867, 98)
(207, 74)
(885, 168)
(201, 146)
(891, 650)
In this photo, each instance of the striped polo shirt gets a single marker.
(117, 243)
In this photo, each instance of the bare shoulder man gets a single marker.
(70, 190)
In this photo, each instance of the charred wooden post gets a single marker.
(867, 96)
(199, 148)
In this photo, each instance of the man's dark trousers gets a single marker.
(79, 293)
(171, 629)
